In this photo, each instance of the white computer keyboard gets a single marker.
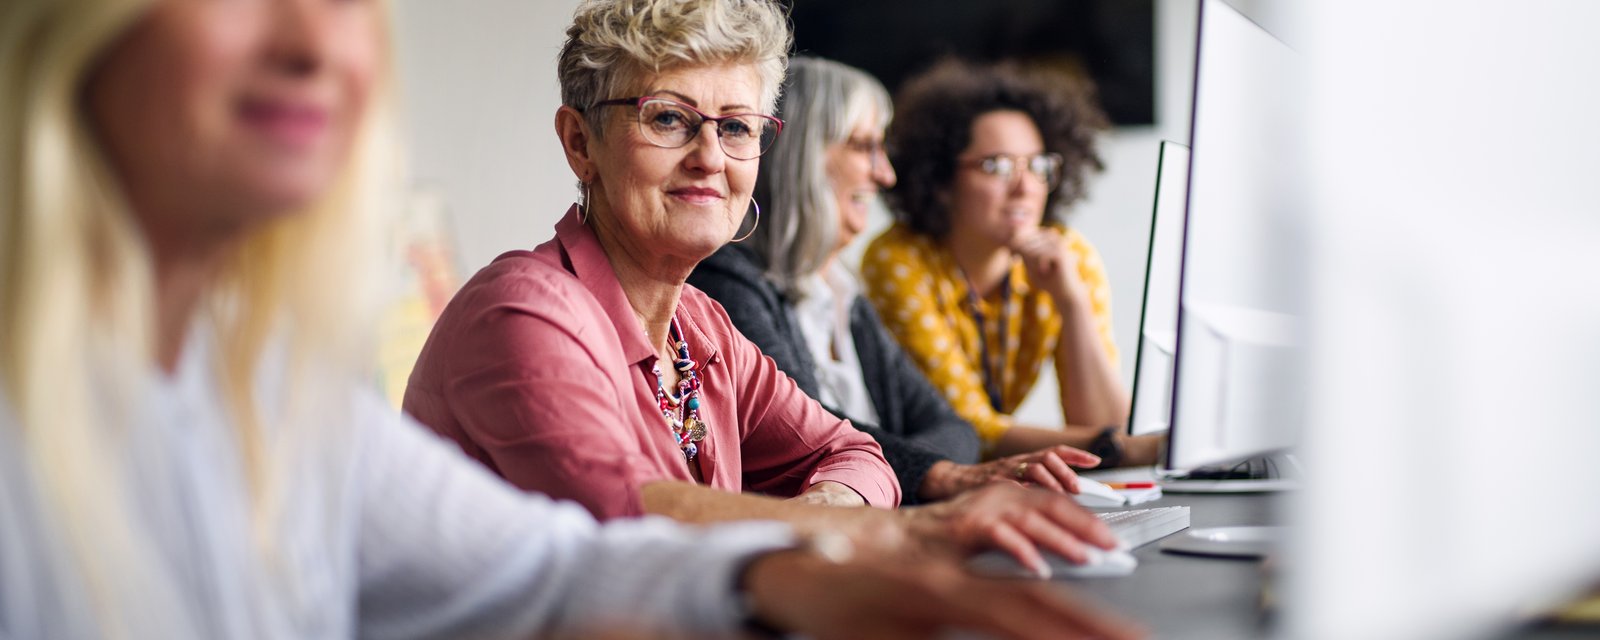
(1139, 527)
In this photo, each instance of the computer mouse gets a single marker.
(1101, 563)
(1093, 493)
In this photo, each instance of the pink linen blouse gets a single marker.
(539, 369)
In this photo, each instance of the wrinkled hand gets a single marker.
(1018, 520)
(1049, 263)
(1049, 468)
(883, 598)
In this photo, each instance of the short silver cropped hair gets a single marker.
(823, 102)
(612, 44)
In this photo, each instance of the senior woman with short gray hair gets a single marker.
(786, 289)
(587, 370)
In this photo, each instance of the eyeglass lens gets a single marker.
(873, 149)
(1045, 167)
(672, 125)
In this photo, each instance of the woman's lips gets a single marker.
(696, 195)
(291, 124)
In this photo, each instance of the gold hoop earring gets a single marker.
(753, 226)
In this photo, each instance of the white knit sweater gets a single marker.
(384, 532)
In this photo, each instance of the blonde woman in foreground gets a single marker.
(187, 449)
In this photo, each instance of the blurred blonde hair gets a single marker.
(77, 311)
(613, 43)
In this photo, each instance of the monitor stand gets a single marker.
(1258, 541)
(1272, 473)
(1255, 475)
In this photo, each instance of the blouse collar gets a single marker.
(593, 269)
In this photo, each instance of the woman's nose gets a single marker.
(1025, 183)
(705, 150)
(300, 37)
(882, 170)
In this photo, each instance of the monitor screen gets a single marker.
(1158, 318)
(1451, 483)
(1237, 362)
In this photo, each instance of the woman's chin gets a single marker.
(1018, 224)
(278, 190)
(846, 236)
(854, 223)
(269, 204)
(1014, 230)
(692, 248)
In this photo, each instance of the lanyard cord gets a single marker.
(994, 365)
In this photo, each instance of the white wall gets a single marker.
(1116, 216)
(479, 94)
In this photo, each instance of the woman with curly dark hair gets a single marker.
(980, 279)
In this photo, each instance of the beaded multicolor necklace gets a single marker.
(682, 409)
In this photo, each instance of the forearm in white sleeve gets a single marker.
(448, 550)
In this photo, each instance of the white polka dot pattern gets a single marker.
(922, 298)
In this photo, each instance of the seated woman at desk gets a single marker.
(787, 291)
(586, 369)
(979, 279)
(187, 447)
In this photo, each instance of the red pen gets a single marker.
(1131, 485)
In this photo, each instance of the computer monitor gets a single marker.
(1452, 453)
(1158, 317)
(1238, 375)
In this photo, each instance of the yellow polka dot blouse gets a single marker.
(922, 296)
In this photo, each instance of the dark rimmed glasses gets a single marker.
(1044, 166)
(671, 124)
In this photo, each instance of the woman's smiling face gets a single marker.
(681, 203)
(858, 169)
(990, 207)
(217, 115)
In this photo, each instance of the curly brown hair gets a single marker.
(932, 125)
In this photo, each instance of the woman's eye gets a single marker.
(736, 129)
(669, 120)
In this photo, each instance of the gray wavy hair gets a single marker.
(613, 43)
(823, 102)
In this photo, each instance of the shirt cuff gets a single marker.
(737, 545)
(877, 486)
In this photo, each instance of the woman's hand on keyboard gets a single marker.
(1019, 520)
(883, 597)
(1049, 468)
